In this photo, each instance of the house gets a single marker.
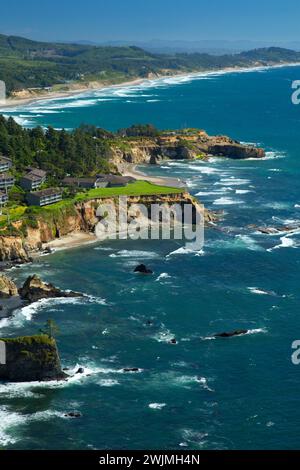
(3, 198)
(33, 179)
(113, 181)
(44, 197)
(87, 183)
(6, 181)
(5, 164)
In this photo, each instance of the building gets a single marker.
(44, 197)
(33, 179)
(113, 181)
(87, 183)
(3, 198)
(5, 164)
(6, 181)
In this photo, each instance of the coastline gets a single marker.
(97, 86)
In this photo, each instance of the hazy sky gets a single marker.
(98, 20)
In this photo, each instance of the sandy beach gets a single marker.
(73, 240)
(131, 170)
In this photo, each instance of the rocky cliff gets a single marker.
(80, 216)
(188, 144)
(30, 359)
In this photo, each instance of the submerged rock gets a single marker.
(231, 333)
(35, 289)
(142, 269)
(73, 414)
(7, 287)
(31, 359)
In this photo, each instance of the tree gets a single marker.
(51, 329)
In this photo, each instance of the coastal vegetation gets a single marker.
(27, 64)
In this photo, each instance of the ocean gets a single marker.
(201, 393)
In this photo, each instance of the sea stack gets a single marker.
(30, 359)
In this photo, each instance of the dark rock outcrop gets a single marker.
(35, 289)
(231, 333)
(142, 269)
(31, 359)
(73, 414)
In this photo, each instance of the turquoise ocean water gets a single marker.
(240, 393)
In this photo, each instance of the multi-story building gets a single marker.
(6, 181)
(5, 164)
(33, 179)
(3, 198)
(44, 197)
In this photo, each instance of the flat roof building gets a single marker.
(44, 197)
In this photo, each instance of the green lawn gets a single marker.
(138, 188)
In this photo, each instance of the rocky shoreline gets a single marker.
(33, 290)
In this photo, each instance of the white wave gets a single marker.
(272, 155)
(206, 170)
(185, 251)
(255, 290)
(136, 254)
(239, 242)
(224, 201)
(187, 379)
(256, 331)
(10, 421)
(232, 181)
(277, 205)
(163, 276)
(108, 382)
(157, 406)
(164, 335)
(286, 242)
(212, 193)
(153, 101)
(243, 191)
(26, 313)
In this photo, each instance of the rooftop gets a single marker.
(6, 176)
(36, 172)
(47, 192)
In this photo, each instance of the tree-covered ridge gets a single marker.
(27, 64)
(84, 151)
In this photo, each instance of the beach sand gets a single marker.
(72, 240)
(130, 170)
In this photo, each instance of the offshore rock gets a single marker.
(35, 289)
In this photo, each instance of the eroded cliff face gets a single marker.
(181, 147)
(79, 217)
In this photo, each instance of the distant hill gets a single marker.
(31, 64)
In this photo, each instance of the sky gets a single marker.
(143, 20)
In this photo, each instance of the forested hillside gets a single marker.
(29, 64)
